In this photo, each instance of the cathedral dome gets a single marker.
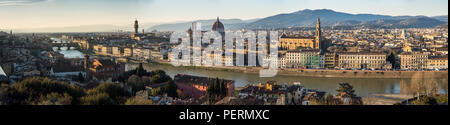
(189, 31)
(218, 26)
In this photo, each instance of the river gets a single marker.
(363, 86)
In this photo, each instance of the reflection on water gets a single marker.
(72, 54)
(363, 86)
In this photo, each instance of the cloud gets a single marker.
(20, 2)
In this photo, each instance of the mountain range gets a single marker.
(206, 24)
(307, 18)
(303, 18)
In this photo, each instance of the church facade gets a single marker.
(295, 42)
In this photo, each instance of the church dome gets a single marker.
(218, 26)
(189, 31)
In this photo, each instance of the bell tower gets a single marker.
(86, 66)
(318, 34)
(136, 27)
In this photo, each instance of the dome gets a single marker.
(218, 26)
(189, 31)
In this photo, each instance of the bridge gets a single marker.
(62, 45)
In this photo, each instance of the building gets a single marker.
(105, 69)
(314, 42)
(136, 35)
(312, 59)
(294, 42)
(83, 44)
(437, 63)
(136, 27)
(128, 52)
(142, 54)
(331, 60)
(3, 76)
(196, 87)
(66, 70)
(304, 59)
(116, 51)
(413, 60)
(98, 49)
(219, 27)
(363, 60)
(282, 62)
(272, 94)
(441, 50)
(293, 59)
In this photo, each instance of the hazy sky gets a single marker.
(18, 14)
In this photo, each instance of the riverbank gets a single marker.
(385, 99)
(324, 73)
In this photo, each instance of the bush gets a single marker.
(56, 99)
(97, 99)
(442, 99)
(170, 90)
(31, 90)
(117, 93)
(138, 101)
(425, 101)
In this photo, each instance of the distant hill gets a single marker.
(441, 18)
(303, 18)
(86, 28)
(206, 24)
(307, 18)
(412, 22)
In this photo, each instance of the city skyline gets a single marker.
(29, 14)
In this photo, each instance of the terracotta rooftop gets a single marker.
(181, 78)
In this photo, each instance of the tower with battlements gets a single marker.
(136, 27)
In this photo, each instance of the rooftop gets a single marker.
(182, 78)
(2, 73)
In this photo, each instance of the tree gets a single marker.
(4, 97)
(139, 101)
(427, 100)
(80, 78)
(136, 83)
(391, 58)
(56, 99)
(346, 89)
(30, 90)
(140, 71)
(97, 99)
(116, 93)
(423, 84)
(216, 91)
(327, 100)
(344, 49)
(172, 89)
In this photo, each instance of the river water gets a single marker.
(363, 86)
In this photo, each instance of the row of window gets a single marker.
(359, 57)
(108, 69)
(372, 62)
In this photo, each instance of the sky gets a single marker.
(22, 14)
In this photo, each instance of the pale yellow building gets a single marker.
(367, 60)
(116, 52)
(437, 63)
(128, 52)
(413, 60)
(331, 60)
(296, 41)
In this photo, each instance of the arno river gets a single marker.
(363, 86)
